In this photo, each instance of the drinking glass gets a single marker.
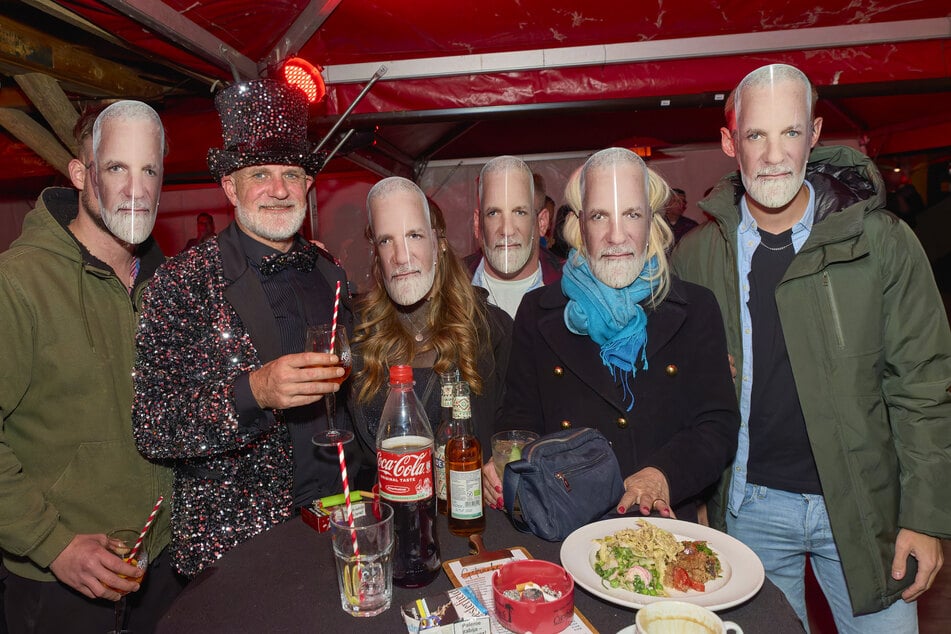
(120, 543)
(365, 578)
(319, 340)
(507, 447)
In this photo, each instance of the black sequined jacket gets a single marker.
(206, 320)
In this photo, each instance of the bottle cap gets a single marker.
(401, 374)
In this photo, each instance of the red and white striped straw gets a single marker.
(346, 495)
(333, 325)
(145, 529)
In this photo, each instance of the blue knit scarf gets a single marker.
(612, 317)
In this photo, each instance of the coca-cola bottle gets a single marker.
(404, 451)
(447, 383)
(464, 468)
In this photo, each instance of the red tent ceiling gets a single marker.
(496, 76)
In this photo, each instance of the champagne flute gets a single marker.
(120, 543)
(319, 340)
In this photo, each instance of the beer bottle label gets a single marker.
(465, 494)
(406, 476)
(439, 459)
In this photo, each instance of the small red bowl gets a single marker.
(537, 617)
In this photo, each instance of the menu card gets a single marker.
(476, 572)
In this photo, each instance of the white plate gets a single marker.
(741, 578)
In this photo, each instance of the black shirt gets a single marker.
(298, 300)
(780, 454)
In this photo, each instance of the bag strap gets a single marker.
(510, 482)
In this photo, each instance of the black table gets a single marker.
(284, 580)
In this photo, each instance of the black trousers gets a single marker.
(47, 607)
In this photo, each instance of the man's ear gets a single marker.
(77, 173)
(726, 142)
(310, 182)
(816, 129)
(227, 184)
(544, 221)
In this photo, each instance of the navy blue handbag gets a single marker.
(563, 481)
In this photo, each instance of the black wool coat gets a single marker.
(685, 417)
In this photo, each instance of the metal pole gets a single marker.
(376, 76)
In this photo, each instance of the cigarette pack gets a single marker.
(456, 611)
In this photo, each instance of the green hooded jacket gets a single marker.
(870, 349)
(68, 464)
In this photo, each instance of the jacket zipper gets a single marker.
(836, 321)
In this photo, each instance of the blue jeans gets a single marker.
(781, 528)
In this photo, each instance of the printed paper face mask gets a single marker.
(126, 177)
(615, 222)
(772, 140)
(507, 222)
(406, 246)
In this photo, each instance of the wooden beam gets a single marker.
(49, 98)
(36, 137)
(51, 8)
(80, 70)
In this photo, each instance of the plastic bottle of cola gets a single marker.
(404, 451)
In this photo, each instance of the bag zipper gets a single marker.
(546, 441)
(563, 475)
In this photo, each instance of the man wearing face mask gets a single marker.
(507, 224)
(70, 291)
(223, 387)
(422, 311)
(622, 346)
(844, 357)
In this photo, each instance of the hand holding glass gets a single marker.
(120, 543)
(319, 340)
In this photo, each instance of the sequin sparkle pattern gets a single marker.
(231, 483)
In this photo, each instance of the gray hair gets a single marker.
(766, 76)
(501, 164)
(392, 185)
(611, 157)
(127, 110)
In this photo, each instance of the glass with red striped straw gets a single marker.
(331, 338)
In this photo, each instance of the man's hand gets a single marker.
(295, 379)
(732, 366)
(924, 548)
(88, 567)
(649, 490)
(491, 486)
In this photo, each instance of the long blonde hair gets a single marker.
(456, 318)
(660, 238)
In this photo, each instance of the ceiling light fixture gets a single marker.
(302, 74)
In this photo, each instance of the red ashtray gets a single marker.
(538, 615)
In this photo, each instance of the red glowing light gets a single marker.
(304, 75)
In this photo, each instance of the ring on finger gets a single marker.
(656, 500)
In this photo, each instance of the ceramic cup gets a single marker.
(677, 617)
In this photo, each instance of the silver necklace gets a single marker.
(417, 332)
(766, 246)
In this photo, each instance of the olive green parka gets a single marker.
(870, 349)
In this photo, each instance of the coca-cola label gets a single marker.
(405, 476)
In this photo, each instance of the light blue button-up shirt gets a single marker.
(747, 240)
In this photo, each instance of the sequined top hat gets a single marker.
(263, 122)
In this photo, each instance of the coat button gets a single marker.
(558, 371)
(671, 370)
(622, 422)
(566, 424)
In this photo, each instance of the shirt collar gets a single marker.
(802, 227)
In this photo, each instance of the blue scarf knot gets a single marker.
(612, 317)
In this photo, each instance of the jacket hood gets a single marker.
(47, 228)
(845, 181)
